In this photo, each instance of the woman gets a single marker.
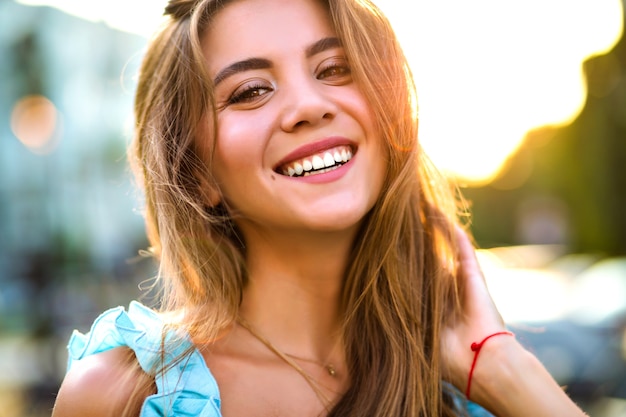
(311, 260)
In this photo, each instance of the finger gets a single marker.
(468, 262)
(477, 297)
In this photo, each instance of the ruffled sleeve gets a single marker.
(185, 387)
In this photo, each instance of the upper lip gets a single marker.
(313, 148)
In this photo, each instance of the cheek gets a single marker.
(362, 111)
(239, 147)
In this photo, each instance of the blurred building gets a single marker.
(70, 223)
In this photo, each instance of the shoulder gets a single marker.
(110, 383)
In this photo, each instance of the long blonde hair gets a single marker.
(400, 288)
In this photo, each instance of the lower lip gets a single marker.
(326, 177)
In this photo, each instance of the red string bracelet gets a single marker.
(476, 347)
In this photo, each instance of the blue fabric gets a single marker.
(185, 389)
(474, 410)
(469, 408)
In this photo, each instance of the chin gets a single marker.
(338, 222)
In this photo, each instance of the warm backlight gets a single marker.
(488, 71)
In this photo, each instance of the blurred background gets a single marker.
(524, 104)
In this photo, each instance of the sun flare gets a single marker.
(489, 71)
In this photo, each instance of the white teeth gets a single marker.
(321, 171)
(318, 163)
(329, 161)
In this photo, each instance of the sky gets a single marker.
(487, 71)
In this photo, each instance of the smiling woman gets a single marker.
(345, 288)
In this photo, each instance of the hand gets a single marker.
(509, 381)
(479, 317)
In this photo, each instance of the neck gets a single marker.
(293, 293)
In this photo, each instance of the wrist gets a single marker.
(510, 381)
(476, 347)
(497, 370)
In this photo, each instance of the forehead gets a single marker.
(263, 28)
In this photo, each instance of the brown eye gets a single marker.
(248, 94)
(334, 71)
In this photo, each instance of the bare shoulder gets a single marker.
(110, 383)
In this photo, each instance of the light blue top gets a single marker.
(187, 388)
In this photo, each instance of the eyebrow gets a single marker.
(241, 66)
(249, 64)
(322, 45)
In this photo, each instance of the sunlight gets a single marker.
(487, 71)
(141, 17)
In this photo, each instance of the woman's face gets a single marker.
(297, 148)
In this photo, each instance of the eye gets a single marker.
(248, 93)
(335, 70)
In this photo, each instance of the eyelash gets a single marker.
(344, 69)
(244, 95)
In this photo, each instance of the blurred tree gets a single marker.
(566, 184)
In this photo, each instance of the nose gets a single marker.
(306, 104)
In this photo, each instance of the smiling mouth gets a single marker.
(319, 163)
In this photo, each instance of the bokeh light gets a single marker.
(35, 122)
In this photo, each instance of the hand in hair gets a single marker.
(507, 380)
(480, 316)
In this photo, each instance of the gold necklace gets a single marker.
(289, 359)
(329, 367)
